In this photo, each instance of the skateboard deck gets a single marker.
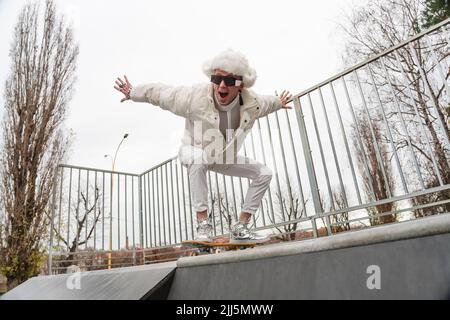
(216, 246)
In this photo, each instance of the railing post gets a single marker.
(141, 227)
(310, 167)
(50, 246)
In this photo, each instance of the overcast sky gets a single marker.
(291, 44)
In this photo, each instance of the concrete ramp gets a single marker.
(133, 283)
(408, 260)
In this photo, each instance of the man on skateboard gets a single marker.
(218, 117)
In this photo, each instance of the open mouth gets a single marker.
(223, 94)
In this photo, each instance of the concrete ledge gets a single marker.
(416, 268)
(428, 226)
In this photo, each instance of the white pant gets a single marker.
(243, 167)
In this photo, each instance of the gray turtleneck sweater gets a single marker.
(230, 117)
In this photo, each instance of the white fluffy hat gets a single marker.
(233, 62)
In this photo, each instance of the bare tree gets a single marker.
(426, 199)
(409, 84)
(224, 212)
(86, 219)
(293, 210)
(37, 92)
(340, 221)
(374, 167)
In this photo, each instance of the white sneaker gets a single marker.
(204, 231)
(240, 233)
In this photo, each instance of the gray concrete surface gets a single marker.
(411, 260)
(408, 260)
(131, 283)
(433, 225)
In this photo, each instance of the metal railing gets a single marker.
(367, 146)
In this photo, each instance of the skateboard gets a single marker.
(217, 246)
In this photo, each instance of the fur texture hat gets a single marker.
(233, 62)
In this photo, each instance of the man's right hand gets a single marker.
(124, 87)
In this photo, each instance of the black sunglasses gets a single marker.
(229, 80)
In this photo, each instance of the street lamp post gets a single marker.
(110, 209)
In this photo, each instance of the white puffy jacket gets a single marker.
(196, 104)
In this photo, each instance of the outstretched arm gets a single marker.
(271, 104)
(174, 99)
